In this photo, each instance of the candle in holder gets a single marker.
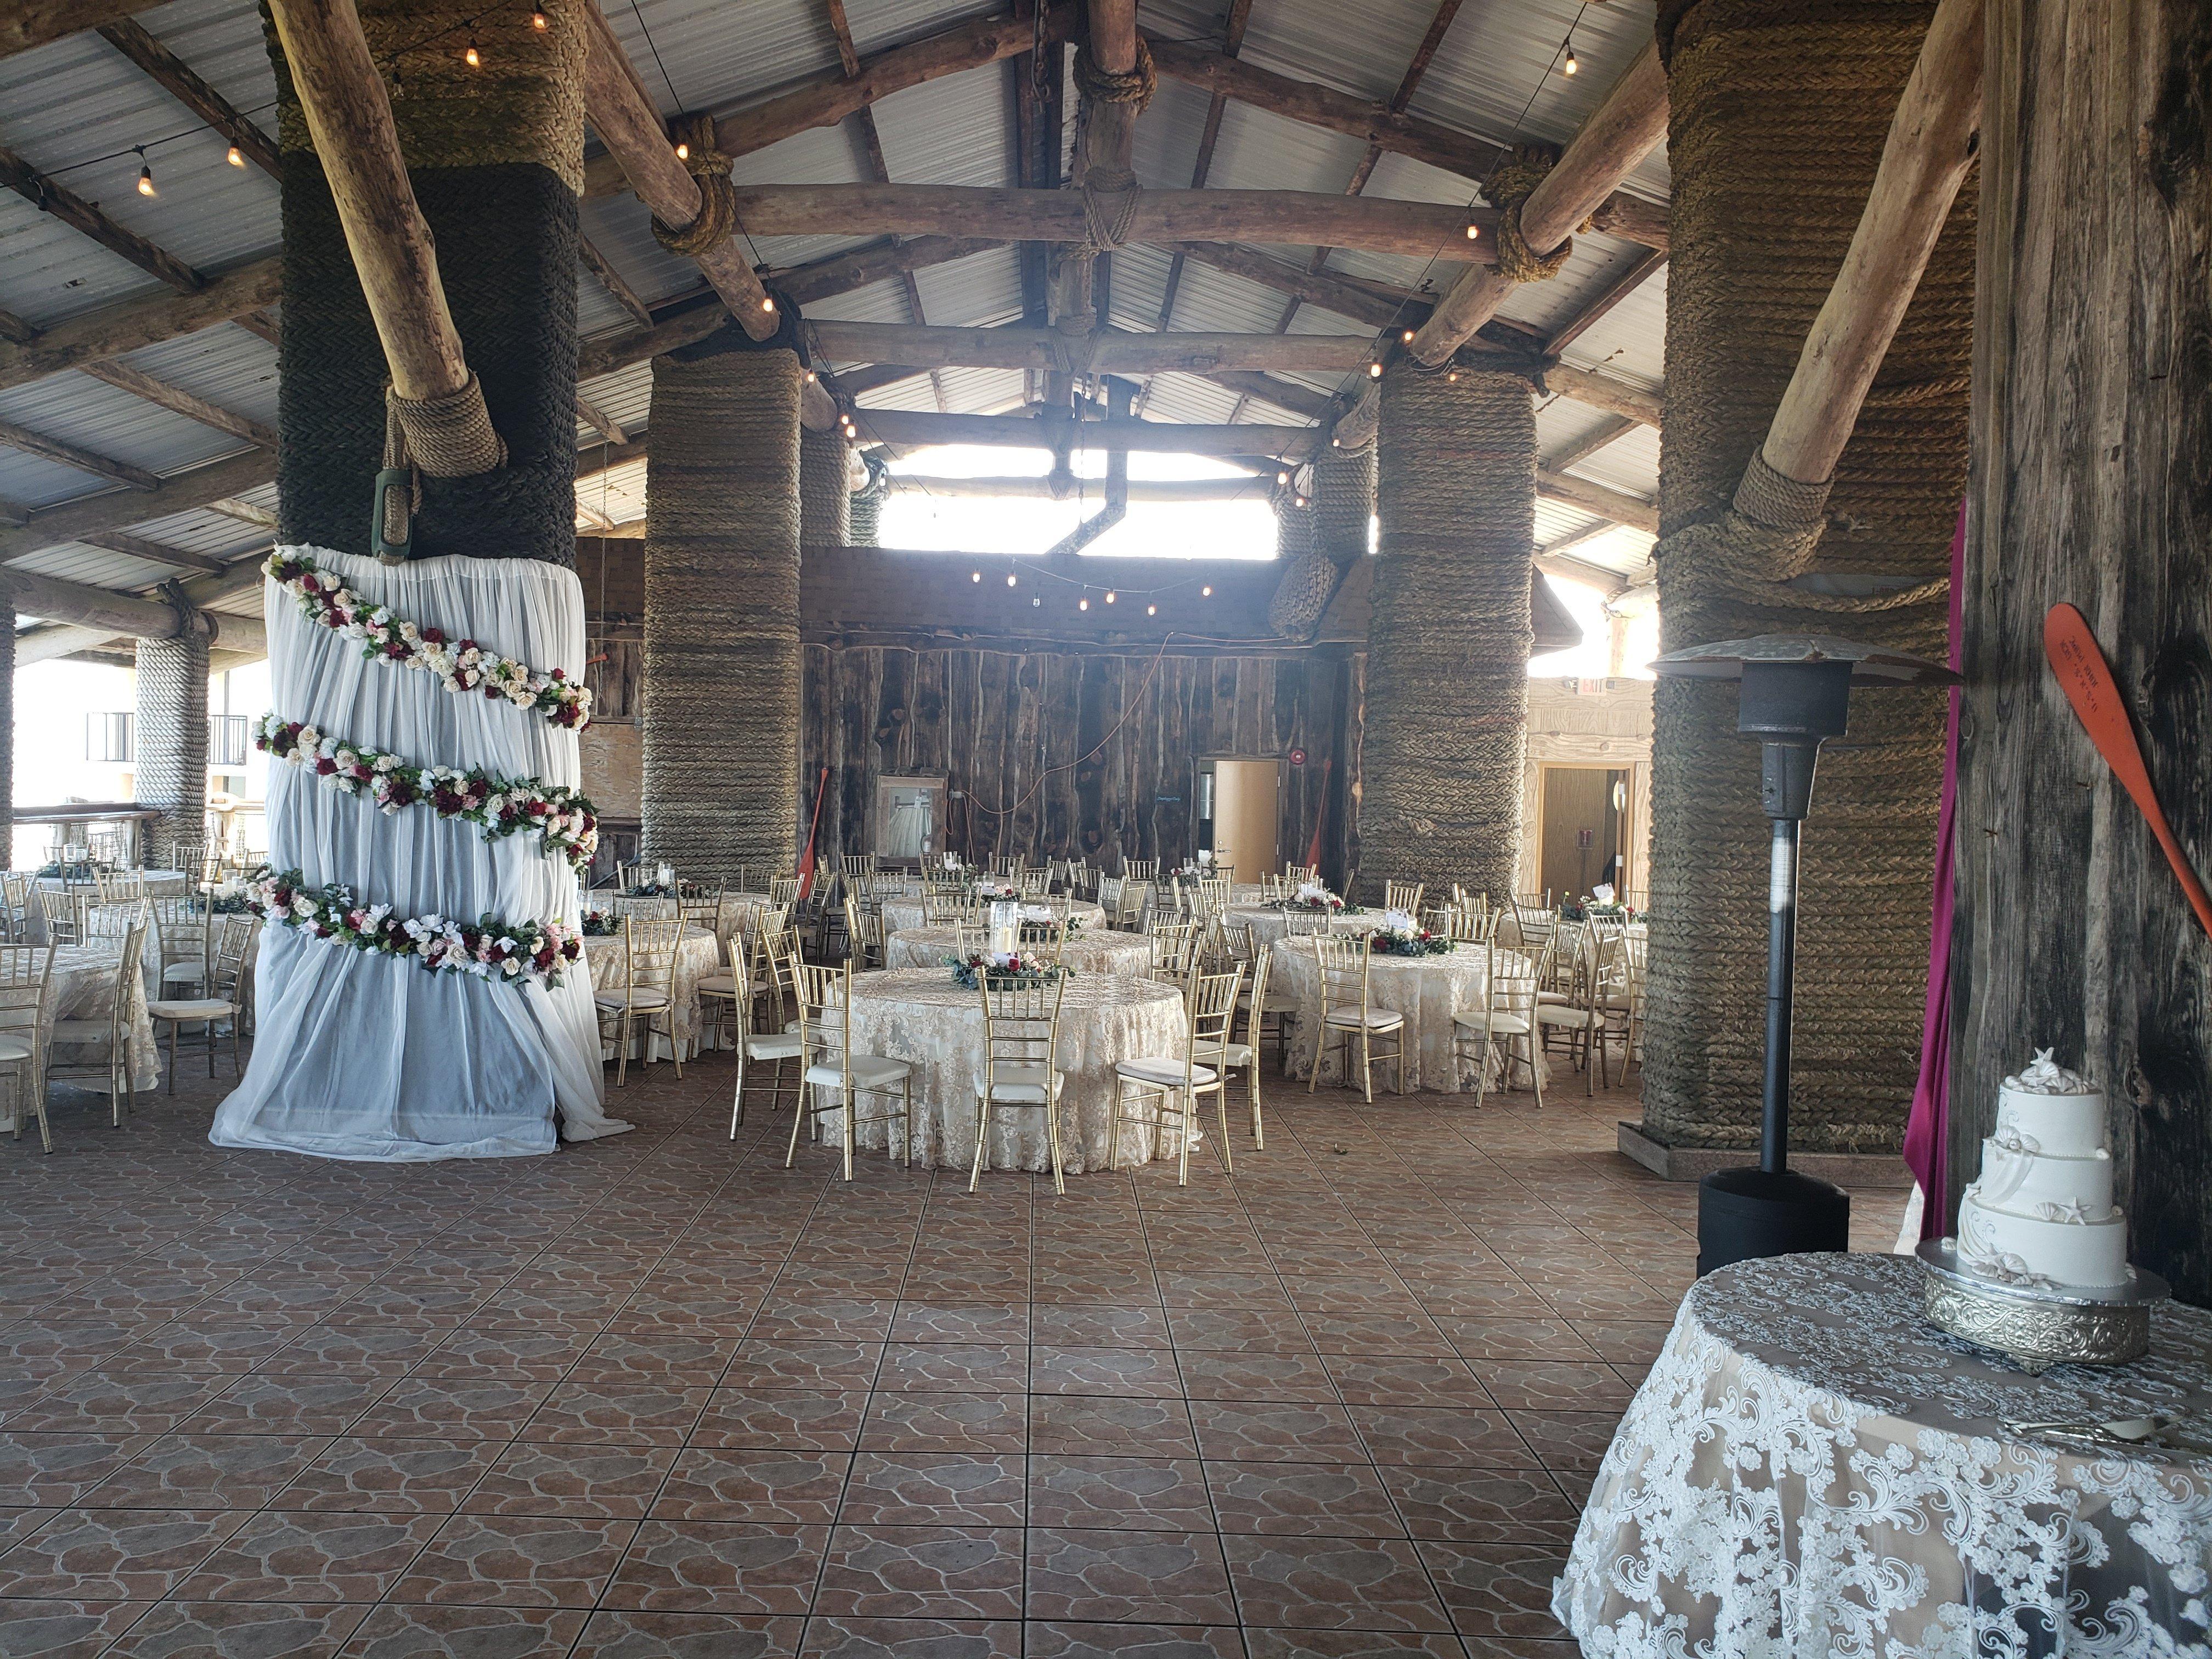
(1005, 929)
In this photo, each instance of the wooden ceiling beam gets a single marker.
(70, 455)
(1300, 400)
(1616, 504)
(178, 401)
(824, 279)
(177, 78)
(140, 547)
(1646, 266)
(1108, 351)
(28, 23)
(910, 429)
(600, 422)
(612, 280)
(1605, 392)
(1233, 42)
(82, 217)
(1178, 490)
(1417, 228)
(1613, 426)
(244, 512)
(111, 331)
(119, 509)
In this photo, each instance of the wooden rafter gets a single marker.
(139, 547)
(1644, 267)
(80, 216)
(71, 455)
(898, 426)
(1233, 42)
(111, 331)
(28, 23)
(177, 78)
(178, 401)
(600, 422)
(1613, 426)
(1616, 504)
(612, 280)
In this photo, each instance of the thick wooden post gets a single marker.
(1447, 639)
(721, 609)
(2093, 419)
(1779, 116)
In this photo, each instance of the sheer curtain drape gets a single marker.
(359, 1055)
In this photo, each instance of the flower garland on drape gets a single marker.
(519, 953)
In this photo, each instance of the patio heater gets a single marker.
(1795, 693)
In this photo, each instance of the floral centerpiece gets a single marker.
(1038, 922)
(598, 924)
(999, 891)
(232, 898)
(657, 889)
(73, 870)
(1313, 896)
(1398, 934)
(518, 952)
(1002, 968)
(1600, 902)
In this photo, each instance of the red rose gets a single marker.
(492, 691)
(396, 648)
(434, 637)
(325, 766)
(308, 584)
(466, 645)
(538, 809)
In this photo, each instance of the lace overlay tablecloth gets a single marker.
(904, 915)
(698, 955)
(1427, 990)
(1269, 924)
(1810, 1469)
(83, 988)
(1091, 951)
(920, 1015)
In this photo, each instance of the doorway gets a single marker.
(1239, 812)
(909, 823)
(1585, 810)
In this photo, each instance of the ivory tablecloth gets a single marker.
(83, 988)
(1269, 924)
(1810, 1469)
(1427, 990)
(698, 955)
(920, 1015)
(1088, 951)
(903, 915)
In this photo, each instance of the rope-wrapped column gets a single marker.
(172, 740)
(496, 157)
(1318, 541)
(865, 508)
(825, 511)
(1779, 111)
(721, 678)
(1448, 640)
(8, 729)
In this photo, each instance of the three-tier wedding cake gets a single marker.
(2042, 1215)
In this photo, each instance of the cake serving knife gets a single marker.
(2086, 679)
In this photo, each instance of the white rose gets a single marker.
(302, 905)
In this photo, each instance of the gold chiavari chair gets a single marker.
(1109, 898)
(772, 1034)
(25, 973)
(1021, 1037)
(644, 908)
(1245, 1056)
(1297, 875)
(105, 1037)
(15, 902)
(118, 886)
(970, 939)
(1301, 924)
(1348, 1011)
(1045, 942)
(225, 970)
(783, 892)
(825, 1016)
(646, 993)
(1505, 1020)
(702, 908)
(1144, 870)
(1403, 896)
(943, 909)
(1175, 953)
(871, 943)
(1579, 1016)
(1130, 899)
(634, 874)
(62, 911)
(109, 850)
(1157, 1086)
(183, 926)
(723, 992)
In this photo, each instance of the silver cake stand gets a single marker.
(2041, 1326)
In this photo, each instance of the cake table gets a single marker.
(1810, 1468)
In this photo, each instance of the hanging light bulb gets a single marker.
(1283, 477)
(473, 57)
(975, 575)
(1151, 611)
(1374, 371)
(1298, 500)
(1453, 376)
(1206, 591)
(1036, 602)
(1407, 336)
(1010, 578)
(767, 304)
(810, 377)
(683, 151)
(235, 156)
(1083, 604)
(1473, 231)
(1111, 596)
(145, 175)
(538, 20)
(1571, 66)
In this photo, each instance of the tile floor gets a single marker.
(657, 1396)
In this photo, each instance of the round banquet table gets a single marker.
(1269, 924)
(1089, 951)
(82, 987)
(920, 1015)
(698, 954)
(904, 915)
(1810, 1469)
(160, 883)
(1157, 898)
(1427, 990)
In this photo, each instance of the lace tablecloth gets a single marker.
(1269, 924)
(1091, 950)
(698, 955)
(1427, 990)
(1811, 1469)
(920, 1015)
(904, 915)
(83, 988)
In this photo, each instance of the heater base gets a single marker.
(1746, 1213)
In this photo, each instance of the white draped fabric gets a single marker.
(361, 1055)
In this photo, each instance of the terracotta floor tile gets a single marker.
(1331, 1582)
(1337, 1500)
(626, 1413)
(208, 1471)
(608, 1481)
(636, 1633)
(787, 1487)
(1148, 1372)
(114, 1555)
(955, 1367)
(185, 1626)
(322, 1404)
(1159, 1577)
(718, 1566)
(1058, 1638)
(1226, 1374)
(1081, 1324)
(929, 1572)
(1299, 1431)
(391, 1474)
(416, 1632)
(1449, 1436)
(946, 1422)
(1157, 1494)
(794, 1420)
(311, 1558)
(961, 1321)
(1497, 1589)
(515, 1560)
(1481, 1506)
(1110, 1425)
(935, 1489)
(64, 1629)
(119, 1401)
(1353, 1645)
(848, 1638)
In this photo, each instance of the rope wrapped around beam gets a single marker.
(1320, 542)
(1507, 189)
(718, 197)
(1779, 111)
(825, 511)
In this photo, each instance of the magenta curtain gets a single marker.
(1927, 1131)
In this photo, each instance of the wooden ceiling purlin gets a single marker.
(1233, 42)
(177, 78)
(85, 218)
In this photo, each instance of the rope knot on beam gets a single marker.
(717, 197)
(1100, 86)
(1507, 189)
(447, 437)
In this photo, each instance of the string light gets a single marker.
(1571, 66)
(1037, 603)
(683, 151)
(975, 575)
(810, 377)
(1083, 604)
(1010, 578)
(767, 304)
(1298, 500)
(1206, 591)
(235, 156)
(1472, 231)
(538, 21)
(1374, 371)
(1283, 477)
(1111, 596)
(473, 57)
(1453, 377)
(1407, 336)
(1151, 611)
(145, 174)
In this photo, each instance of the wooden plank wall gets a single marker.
(1088, 755)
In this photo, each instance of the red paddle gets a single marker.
(806, 864)
(2087, 679)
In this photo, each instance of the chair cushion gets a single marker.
(201, 1008)
(1552, 1013)
(1238, 1053)
(1021, 1084)
(632, 999)
(1500, 1024)
(1165, 1072)
(724, 985)
(869, 1072)
(1377, 1019)
(774, 1045)
(183, 972)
